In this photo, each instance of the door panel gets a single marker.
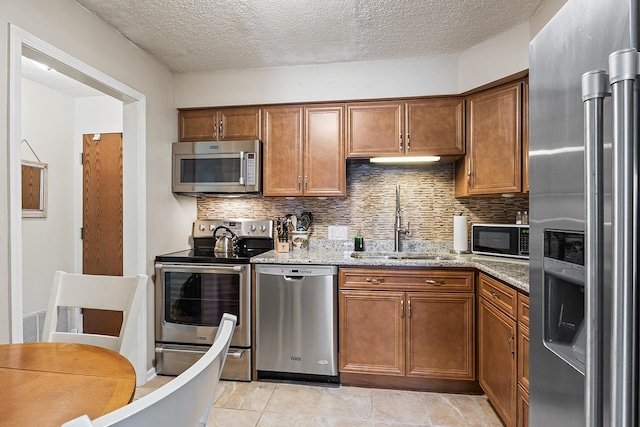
(324, 162)
(283, 151)
(371, 332)
(440, 335)
(102, 220)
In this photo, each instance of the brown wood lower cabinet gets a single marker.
(503, 349)
(523, 408)
(414, 324)
(497, 359)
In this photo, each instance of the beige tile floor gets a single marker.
(264, 404)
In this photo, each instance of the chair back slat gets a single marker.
(184, 401)
(118, 293)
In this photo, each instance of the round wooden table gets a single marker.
(48, 384)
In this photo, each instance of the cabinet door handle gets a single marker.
(434, 282)
(495, 295)
(306, 182)
(409, 309)
(402, 308)
(374, 280)
(408, 143)
(401, 143)
(220, 130)
(299, 181)
(511, 345)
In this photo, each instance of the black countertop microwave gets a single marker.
(217, 167)
(508, 240)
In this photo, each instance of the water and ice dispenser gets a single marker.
(563, 295)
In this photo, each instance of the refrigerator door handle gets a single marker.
(595, 87)
(623, 71)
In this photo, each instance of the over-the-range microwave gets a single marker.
(509, 240)
(205, 168)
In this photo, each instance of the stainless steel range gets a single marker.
(195, 287)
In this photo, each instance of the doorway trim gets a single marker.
(134, 165)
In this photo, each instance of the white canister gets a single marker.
(299, 240)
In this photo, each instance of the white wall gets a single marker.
(47, 123)
(494, 59)
(357, 80)
(547, 11)
(71, 28)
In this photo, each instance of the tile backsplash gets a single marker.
(426, 199)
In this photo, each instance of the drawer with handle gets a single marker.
(419, 279)
(498, 294)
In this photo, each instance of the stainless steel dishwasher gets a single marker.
(297, 322)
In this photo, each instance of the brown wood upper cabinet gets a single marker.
(227, 124)
(493, 163)
(304, 151)
(421, 127)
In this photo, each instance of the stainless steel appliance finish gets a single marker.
(297, 321)
(583, 170)
(508, 240)
(195, 287)
(217, 167)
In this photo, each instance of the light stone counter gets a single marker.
(512, 271)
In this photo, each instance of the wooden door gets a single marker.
(497, 360)
(371, 331)
(435, 127)
(102, 220)
(440, 335)
(237, 124)
(494, 140)
(198, 125)
(375, 129)
(282, 146)
(324, 161)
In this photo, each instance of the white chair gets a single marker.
(185, 401)
(118, 293)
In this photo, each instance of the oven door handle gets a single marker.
(238, 268)
(236, 354)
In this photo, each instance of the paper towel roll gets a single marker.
(460, 237)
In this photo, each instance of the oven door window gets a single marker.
(200, 298)
(222, 169)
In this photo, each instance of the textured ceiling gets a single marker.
(208, 35)
(39, 73)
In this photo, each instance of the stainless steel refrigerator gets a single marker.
(583, 216)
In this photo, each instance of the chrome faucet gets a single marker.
(397, 228)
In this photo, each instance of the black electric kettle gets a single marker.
(225, 245)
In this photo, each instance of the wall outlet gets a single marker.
(337, 232)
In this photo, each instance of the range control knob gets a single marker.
(253, 227)
(211, 227)
(263, 227)
(202, 227)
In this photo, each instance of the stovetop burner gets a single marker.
(254, 238)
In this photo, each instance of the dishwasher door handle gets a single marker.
(294, 278)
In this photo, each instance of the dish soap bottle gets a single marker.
(359, 243)
(519, 218)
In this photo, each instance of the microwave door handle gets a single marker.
(242, 172)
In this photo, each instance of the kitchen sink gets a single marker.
(402, 255)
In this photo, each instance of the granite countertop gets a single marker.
(515, 272)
